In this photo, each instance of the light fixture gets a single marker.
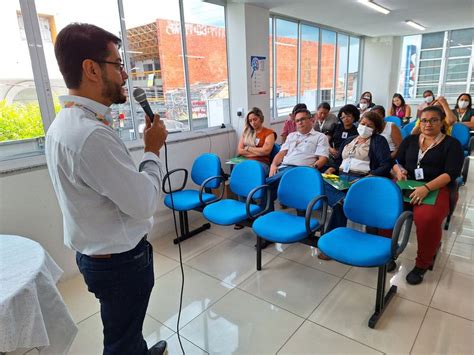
(375, 6)
(415, 25)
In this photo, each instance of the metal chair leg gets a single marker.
(382, 300)
(259, 253)
(184, 228)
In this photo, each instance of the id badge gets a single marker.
(257, 140)
(419, 174)
(346, 166)
(344, 135)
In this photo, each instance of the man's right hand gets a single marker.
(273, 170)
(154, 134)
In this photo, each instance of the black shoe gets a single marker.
(158, 349)
(415, 276)
(391, 266)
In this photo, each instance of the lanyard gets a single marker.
(101, 118)
(422, 154)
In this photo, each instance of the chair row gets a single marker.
(375, 202)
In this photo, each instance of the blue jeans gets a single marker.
(123, 285)
(335, 199)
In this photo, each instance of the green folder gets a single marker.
(338, 183)
(236, 160)
(407, 186)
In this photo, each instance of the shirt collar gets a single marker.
(98, 108)
(310, 133)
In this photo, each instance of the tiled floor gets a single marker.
(297, 304)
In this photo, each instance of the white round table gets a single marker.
(32, 311)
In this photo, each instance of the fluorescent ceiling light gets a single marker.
(415, 25)
(374, 6)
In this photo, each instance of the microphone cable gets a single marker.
(179, 249)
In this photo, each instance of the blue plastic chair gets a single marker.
(462, 133)
(395, 120)
(275, 150)
(301, 188)
(247, 181)
(207, 173)
(375, 202)
(406, 130)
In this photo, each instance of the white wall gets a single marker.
(380, 68)
(247, 28)
(29, 207)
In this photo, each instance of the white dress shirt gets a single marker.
(107, 204)
(303, 149)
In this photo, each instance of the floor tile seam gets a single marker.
(314, 268)
(289, 338)
(459, 272)
(345, 336)
(452, 314)
(419, 330)
(183, 337)
(86, 318)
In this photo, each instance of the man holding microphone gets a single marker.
(107, 204)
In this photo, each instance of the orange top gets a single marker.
(260, 141)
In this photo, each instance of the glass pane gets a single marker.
(61, 14)
(462, 37)
(207, 63)
(437, 53)
(286, 65)
(353, 74)
(432, 40)
(457, 70)
(270, 62)
(429, 71)
(460, 52)
(328, 52)
(453, 91)
(21, 125)
(342, 53)
(154, 39)
(309, 65)
(408, 63)
(421, 88)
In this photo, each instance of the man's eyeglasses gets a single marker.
(302, 119)
(119, 65)
(432, 121)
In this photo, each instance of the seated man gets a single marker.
(324, 121)
(305, 147)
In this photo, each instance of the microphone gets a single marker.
(140, 96)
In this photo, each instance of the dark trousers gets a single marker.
(122, 284)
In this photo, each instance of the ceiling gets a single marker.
(352, 16)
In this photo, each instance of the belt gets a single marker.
(108, 256)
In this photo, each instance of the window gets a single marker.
(328, 56)
(342, 61)
(286, 61)
(270, 62)
(441, 62)
(152, 52)
(309, 66)
(207, 63)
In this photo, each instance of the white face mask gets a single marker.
(462, 104)
(429, 99)
(364, 131)
(363, 106)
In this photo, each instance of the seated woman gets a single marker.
(368, 96)
(363, 105)
(429, 100)
(347, 115)
(366, 154)
(257, 141)
(399, 108)
(391, 132)
(435, 159)
(449, 117)
(464, 111)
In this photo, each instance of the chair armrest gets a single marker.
(397, 249)
(167, 177)
(249, 200)
(309, 211)
(203, 186)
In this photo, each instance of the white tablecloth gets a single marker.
(32, 311)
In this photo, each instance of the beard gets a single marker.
(113, 91)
